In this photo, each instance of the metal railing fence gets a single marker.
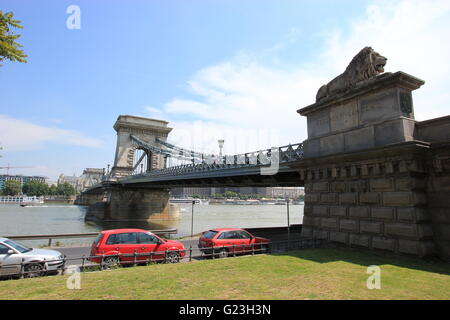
(51, 237)
(106, 261)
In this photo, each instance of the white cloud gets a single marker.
(245, 96)
(17, 135)
(155, 112)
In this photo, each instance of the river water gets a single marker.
(60, 219)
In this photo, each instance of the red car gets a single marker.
(134, 245)
(225, 241)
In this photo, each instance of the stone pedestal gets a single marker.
(364, 172)
(376, 113)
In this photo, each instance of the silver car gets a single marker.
(16, 259)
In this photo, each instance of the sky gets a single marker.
(222, 69)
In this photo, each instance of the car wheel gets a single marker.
(110, 262)
(172, 257)
(223, 253)
(34, 270)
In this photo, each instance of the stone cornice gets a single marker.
(405, 149)
(399, 78)
(129, 127)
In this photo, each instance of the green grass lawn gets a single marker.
(305, 274)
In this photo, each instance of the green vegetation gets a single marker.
(64, 189)
(9, 48)
(35, 188)
(38, 189)
(305, 274)
(11, 188)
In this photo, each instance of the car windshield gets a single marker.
(97, 240)
(209, 234)
(17, 246)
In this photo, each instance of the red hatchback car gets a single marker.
(226, 241)
(134, 245)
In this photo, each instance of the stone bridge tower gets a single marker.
(143, 128)
(116, 202)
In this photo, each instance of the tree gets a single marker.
(35, 188)
(65, 189)
(12, 188)
(53, 190)
(9, 48)
(230, 194)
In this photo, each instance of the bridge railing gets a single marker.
(281, 155)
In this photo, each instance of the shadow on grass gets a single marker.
(368, 258)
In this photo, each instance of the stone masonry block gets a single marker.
(369, 197)
(308, 209)
(403, 230)
(409, 184)
(320, 234)
(338, 211)
(320, 210)
(403, 199)
(441, 232)
(312, 198)
(370, 227)
(412, 215)
(330, 198)
(329, 223)
(308, 187)
(338, 236)
(308, 221)
(383, 243)
(320, 186)
(332, 144)
(418, 248)
(359, 139)
(359, 240)
(307, 232)
(338, 186)
(382, 213)
(359, 212)
(425, 230)
(382, 184)
(349, 225)
(347, 198)
(440, 215)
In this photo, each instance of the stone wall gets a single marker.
(438, 194)
(372, 200)
(120, 203)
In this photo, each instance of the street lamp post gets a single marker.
(192, 219)
(288, 223)
(221, 143)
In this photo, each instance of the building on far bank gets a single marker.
(272, 192)
(90, 177)
(189, 192)
(22, 179)
(286, 192)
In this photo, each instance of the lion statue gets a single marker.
(367, 64)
